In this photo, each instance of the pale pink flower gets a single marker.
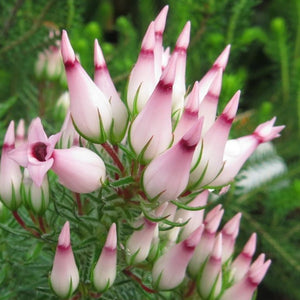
(105, 270)
(10, 173)
(64, 278)
(90, 108)
(170, 269)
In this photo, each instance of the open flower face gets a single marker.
(36, 154)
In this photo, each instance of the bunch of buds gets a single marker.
(152, 158)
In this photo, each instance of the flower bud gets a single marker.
(104, 273)
(174, 163)
(10, 173)
(79, 169)
(64, 278)
(36, 197)
(169, 270)
(90, 109)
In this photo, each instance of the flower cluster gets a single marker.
(159, 153)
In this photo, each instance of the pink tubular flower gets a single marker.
(36, 154)
(10, 173)
(142, 77)
(90, 109)
(174, 163)
(179, 83)
(106, 85)
(146, 136)
(64, 277)
(241, 264)
(205, 165)
(105, 270)
(169, 270)
(79, 169)
(210, 282)
(244, 289)
(239, 150)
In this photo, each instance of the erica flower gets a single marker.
(104, 273)
(64, 278)
(10, 173)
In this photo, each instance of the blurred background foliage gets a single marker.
(264, 63)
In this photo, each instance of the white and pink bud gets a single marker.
(179, 83)
(209, 104)
(237, 151)
(151, 132)
(139, 243)
(210, 282)
(64, 278)
(104, 82)
(160, 56)
(174, 164)
(79, 169)
(189, 115)
(206, 243)
(170, 269)
(10, 173)
(142, 79)
(241, 264)
(205, 166)
(195, 217)
(245, 288)
(36, 197)
(90, 108)
(105, 270)
(20, 133)
(230, 232)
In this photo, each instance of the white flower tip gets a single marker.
(111, 241)
(258, 262)
(192, 103)
(250, 246)
(168, 76)
(216, 253)
(148, 42)
(64, 237)
(216, 85)
(191, 139)
(21, 129)
(231, 108)
(265, 132)
(67, 51)
(160, 20)
(9, 139)
(222, 60)
(184, 38)
(99, 61)
(232, 226)
(212, 213)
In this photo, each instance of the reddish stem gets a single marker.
(22, 223)
(95, 295)
(79, 205)
(114, 156)
(138, 280)
(191, 289)
(42, 225)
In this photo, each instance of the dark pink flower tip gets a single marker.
(192, 103)
(67, 51)
(215, 87)
(64, 238)
(230, 110)
(9, 138)
(160, 21)
(257, 274)
(111, 241)
(20, 132)
(216, 253)
(193, 240)
(222, 60)
(191, 139)
(250, 246)
(99, 61)
(168, 76)
(184, 38)
(148, 42)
